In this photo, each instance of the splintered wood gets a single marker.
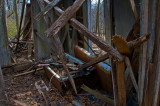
(97, 40)
(60, 49)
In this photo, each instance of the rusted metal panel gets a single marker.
(4, 53)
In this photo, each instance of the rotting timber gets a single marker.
(114, 82)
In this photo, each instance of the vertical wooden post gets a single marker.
(143, 53)
(152, 95)
(118, 78)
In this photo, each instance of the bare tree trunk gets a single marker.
(16, 14)
(9, 4)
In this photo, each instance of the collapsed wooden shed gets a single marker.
(56, 32)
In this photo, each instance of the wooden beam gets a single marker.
(143, 53)
(134, 9)
(153, 88)
(118, 78)
(95, 61)
(64, 18)
(60, 48)
(121, 84)
(97, 94)
(103, 70)
(131, 44)
(95, 39)
(138, 41)
(46, 9)
(127, 61)
(118, 72)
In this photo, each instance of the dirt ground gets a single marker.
(22, 91)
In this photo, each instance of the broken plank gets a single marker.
(131, 44)
(134, 9)
(60, 48)
(64, 18)
(118, 78)
(138, 41)
(127, 61)
(17, 66)
(103, 70)
(97, 94)
(118, 74)
(95, 39)
(46, 9)
(95, 61)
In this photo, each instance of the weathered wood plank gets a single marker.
(95, 61)
(127, 61)
(46, 9)
(59, 49)
(118, 78)
(134, 9)
(98, 95)
(85, 32)
(137, 42)
(121, 84)
(97, 40)
(152, 96)
(118, 74)
(130, 44)
(103, 70)
(64, 18)
(143, 53)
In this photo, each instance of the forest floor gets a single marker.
(22, 91)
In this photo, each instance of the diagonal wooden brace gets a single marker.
(64, 18)
(95, 39)
(60, 47)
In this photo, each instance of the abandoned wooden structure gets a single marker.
(131, 46)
